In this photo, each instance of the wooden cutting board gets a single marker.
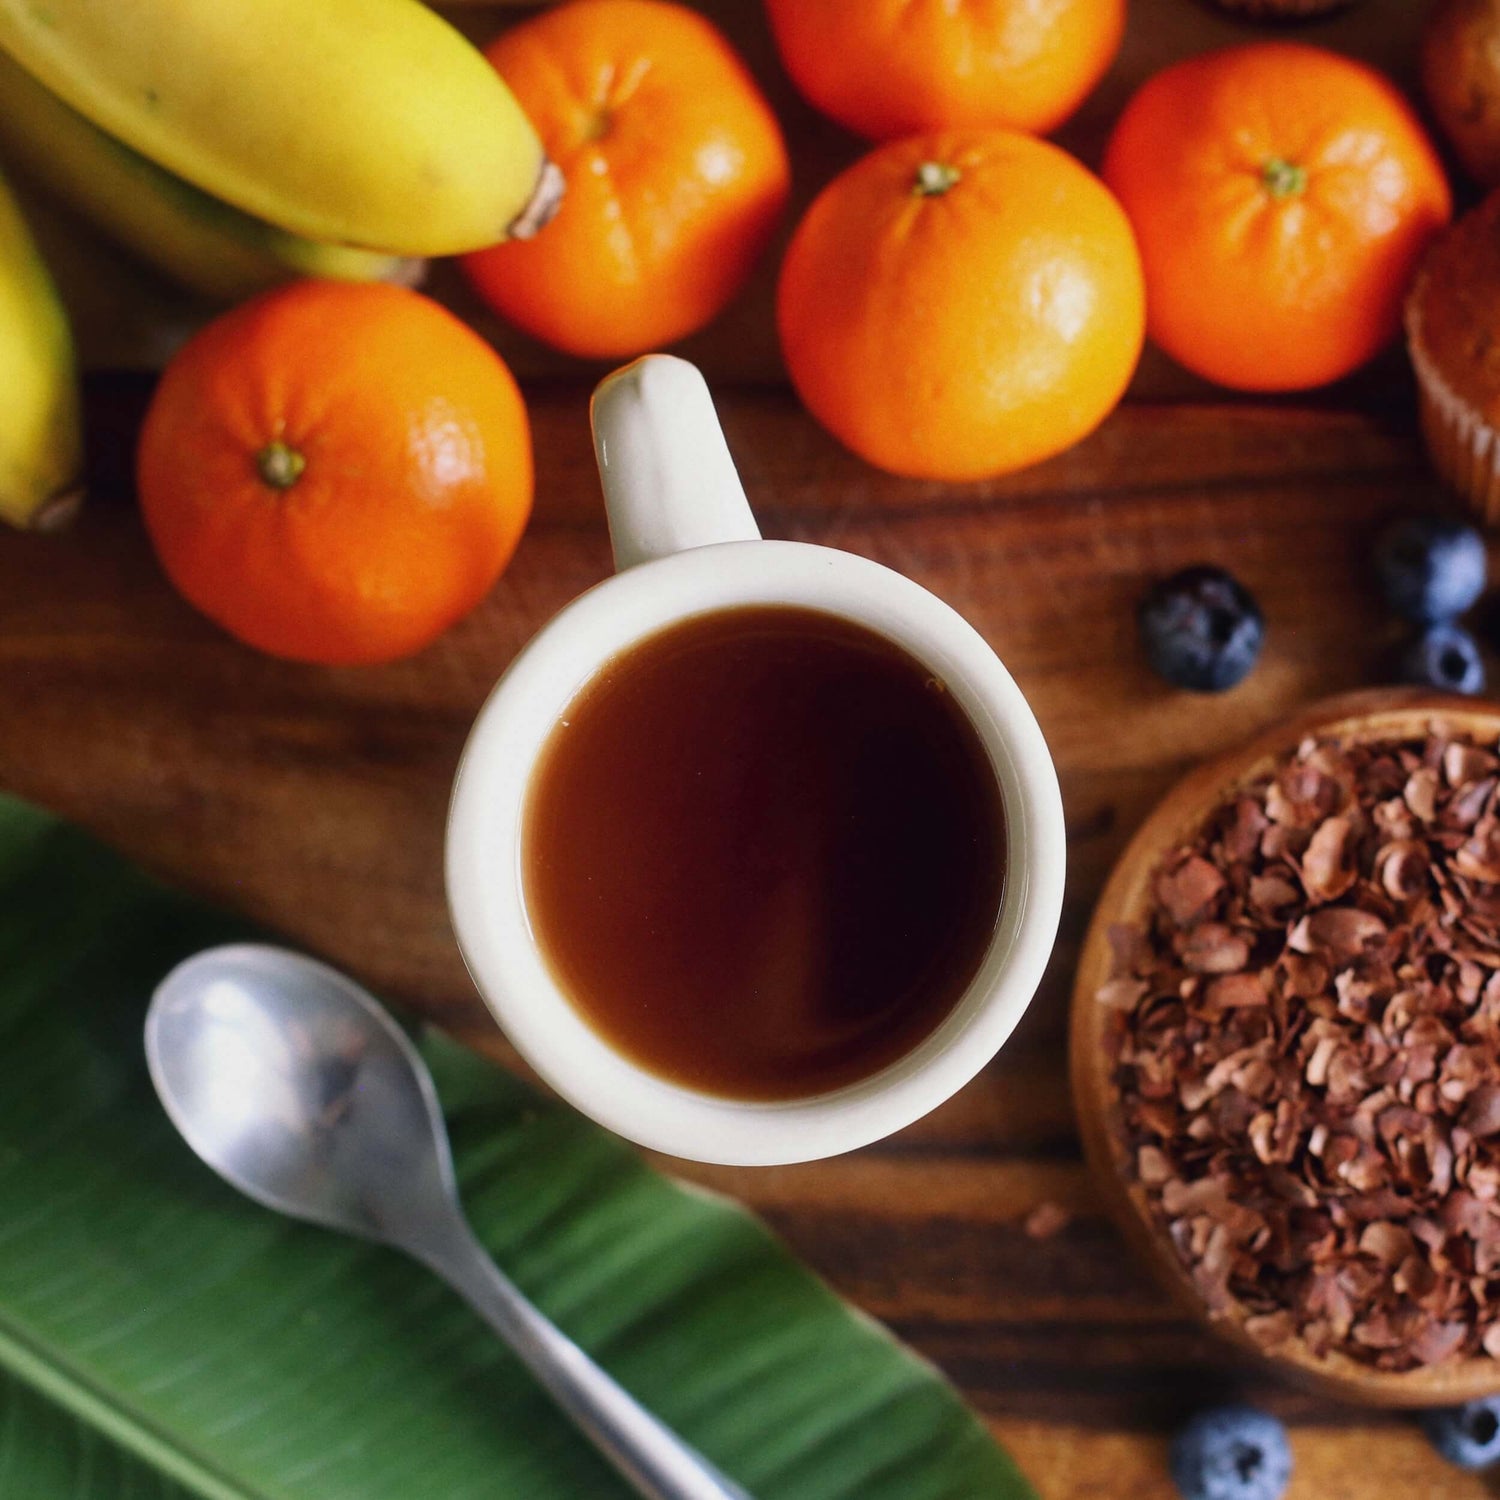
(313, 800)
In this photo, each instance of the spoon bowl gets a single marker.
(298, 1089)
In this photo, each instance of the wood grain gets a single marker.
(313, 800)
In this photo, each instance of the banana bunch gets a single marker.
(197, 239)
(41, 448)
(370, 124)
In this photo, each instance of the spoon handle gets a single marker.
(655, 1460)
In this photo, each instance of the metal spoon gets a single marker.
(297, 1088)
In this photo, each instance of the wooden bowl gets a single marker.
(1378, 715)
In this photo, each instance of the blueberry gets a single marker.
(1430, 568)
(1469, 1435)
(1443, 656)
(1201, 629)
(1231, 1453)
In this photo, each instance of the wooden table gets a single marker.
(313, 800)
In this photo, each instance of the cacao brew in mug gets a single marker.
(686, 544)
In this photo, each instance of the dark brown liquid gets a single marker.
(764, 852)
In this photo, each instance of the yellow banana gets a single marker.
(41, 442)
(359, 122)
(197, 240)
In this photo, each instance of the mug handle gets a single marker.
(669, 482)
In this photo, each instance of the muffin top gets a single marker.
(1454, 314)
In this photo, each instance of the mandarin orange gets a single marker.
(677, 176)
(893, 67)
(961, 304)
(336, 472)
(1282, 195)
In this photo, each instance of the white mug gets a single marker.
(685, 543)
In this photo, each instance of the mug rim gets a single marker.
(485, 879)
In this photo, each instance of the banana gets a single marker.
(359, 122)
(41, 434)
(197, 240)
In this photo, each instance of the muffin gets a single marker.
(1453, 335)
(1461, 76)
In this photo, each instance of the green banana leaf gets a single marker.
(163, 1339)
